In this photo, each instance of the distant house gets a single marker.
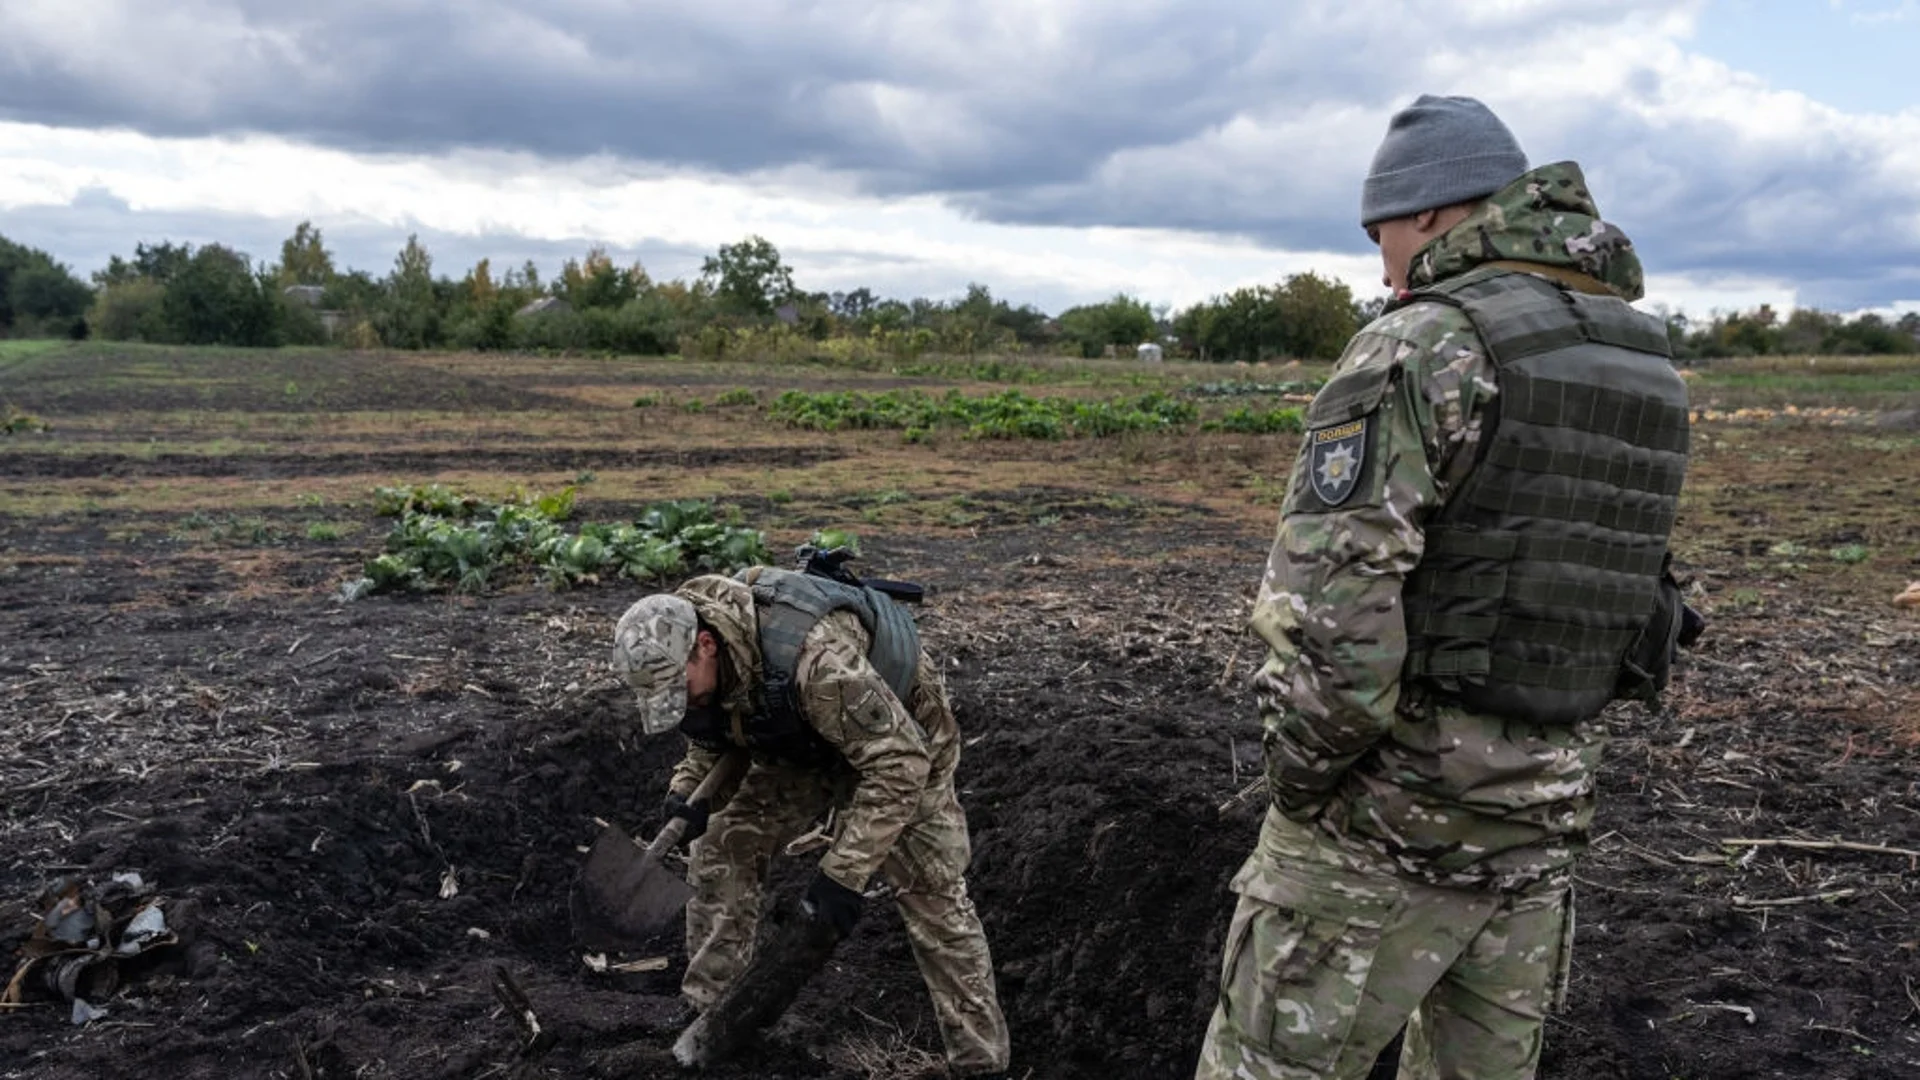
(546, 305)
(312, 296)
(309, 295)
(1149, 353)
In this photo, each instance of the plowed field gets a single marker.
(357, 813)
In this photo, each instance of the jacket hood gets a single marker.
(1546, 217)
(727, 606)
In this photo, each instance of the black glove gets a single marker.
(1692, 625)
(834, 904)
(695, 812)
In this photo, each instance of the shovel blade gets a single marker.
(624, 895)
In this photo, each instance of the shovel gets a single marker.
(624, 894)
(792, 946)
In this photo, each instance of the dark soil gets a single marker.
(274, 465)
(360, 815)
(104, 380)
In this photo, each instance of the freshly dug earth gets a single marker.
(300, 778)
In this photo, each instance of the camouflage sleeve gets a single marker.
(1387, 438)
(693, 768)
(851, 706)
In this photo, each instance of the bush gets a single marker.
(645, 326)
(129, 311)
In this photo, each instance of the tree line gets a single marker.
(743, 302)
(1806, 332)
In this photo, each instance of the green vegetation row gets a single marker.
(1012, 414)
(446, 540)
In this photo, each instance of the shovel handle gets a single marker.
(724, 772)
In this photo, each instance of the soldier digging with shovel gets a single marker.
(823, 685)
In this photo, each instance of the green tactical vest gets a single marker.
(787, 605)
(1543, 569)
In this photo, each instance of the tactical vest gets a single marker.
(788, 605)
(1543, 569)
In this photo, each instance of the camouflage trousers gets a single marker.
(1330, 953)
(773, 805)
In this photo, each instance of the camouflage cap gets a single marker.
(651, 645)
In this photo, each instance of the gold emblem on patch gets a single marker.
(1337, 454)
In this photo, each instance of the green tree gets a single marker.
(1241, 325)
(304, 258)
(598, 283)
(478, 288)
(413, 310)
(1870, 333)
(355, 292)
(1122, 322)
(1315, 317)
(853, 307)
(150, 262)
(1194, 329)
(39, 296)
(1305, 316)
(748, 278)
(218, 299)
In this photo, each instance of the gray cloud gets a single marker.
(98, 225)
(942, 95)
(1219, 116)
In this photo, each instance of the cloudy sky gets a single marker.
(1057, 150)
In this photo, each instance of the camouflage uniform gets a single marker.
(1416, 859)
(895, 814)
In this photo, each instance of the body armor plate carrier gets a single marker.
(1543, 570)
(787, 605)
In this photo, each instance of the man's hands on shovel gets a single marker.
(834, 904)
(696, 813)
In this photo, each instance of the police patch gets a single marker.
(1337, 454)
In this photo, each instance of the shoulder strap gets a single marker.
(791, 604)
(1518, 314)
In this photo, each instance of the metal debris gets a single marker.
(85, 930)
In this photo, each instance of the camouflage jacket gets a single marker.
(1450, 796)
(893, 755)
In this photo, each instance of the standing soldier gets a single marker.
(826, 687)
(1470, 564)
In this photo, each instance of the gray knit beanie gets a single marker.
(1439, 151)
